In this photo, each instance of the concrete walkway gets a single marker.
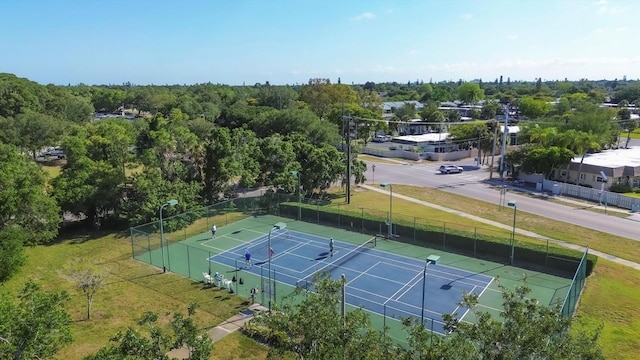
(508, 227)
(232, 324)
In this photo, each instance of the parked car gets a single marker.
(450, 169)
(381, 138)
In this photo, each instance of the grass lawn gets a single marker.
(633, 194)
(610, 296)
(402, 210)
(131, 289)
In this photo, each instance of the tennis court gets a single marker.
(385, 279)
(381, 282)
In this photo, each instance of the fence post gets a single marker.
(475, 240)
(362, 220)
(414, 230)
(444, 235)
(339, 216)
(188, 262)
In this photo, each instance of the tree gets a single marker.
(533, 108)
(12, 239)
(527, 330)
(320, 95)
(88, 187)
(36, 327)
(584, 143)
(538, 159)
(87, 277)
(489, 109)
(36, 131)
(131, 344)
(314, 328)
(470, 93)
(23, 200)
(405, 112)
(276, 159)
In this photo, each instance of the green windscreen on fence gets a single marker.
(571, 300)
(180, 248)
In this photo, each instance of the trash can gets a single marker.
(555, 189)
(635, 208)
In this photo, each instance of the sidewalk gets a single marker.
(232, 324)
(508, 227)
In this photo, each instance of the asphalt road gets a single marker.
(473, 182)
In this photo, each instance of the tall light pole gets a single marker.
(390, 224)
(297, 174)
(514, 205)
(171, 202)
(269, 255)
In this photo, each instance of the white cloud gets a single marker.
(364, 16)
(467, 16)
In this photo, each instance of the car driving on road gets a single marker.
(450, 169)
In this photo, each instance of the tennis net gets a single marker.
(307, 282)
(260, 249)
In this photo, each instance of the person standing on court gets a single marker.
(331, 246)
(271, 253)
(247, 258)
(213, 231)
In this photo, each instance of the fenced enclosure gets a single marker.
(182, 248)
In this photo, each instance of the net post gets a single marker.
(343, 305)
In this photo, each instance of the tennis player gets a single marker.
(331, 246)
(271, 253)
(213, 231)
(247, 258)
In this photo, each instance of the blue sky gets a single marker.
(291, 41)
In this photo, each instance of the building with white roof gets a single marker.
(621, 166)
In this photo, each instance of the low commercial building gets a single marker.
(621, 166)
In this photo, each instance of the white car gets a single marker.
(450, 169)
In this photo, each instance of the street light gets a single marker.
(274, 227)
(172, 202)
(514, 205)
(387, 185)
(297, 174)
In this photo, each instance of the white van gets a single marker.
(381, 138)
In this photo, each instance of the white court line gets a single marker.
(383, 305)
(410, 287)
(364, 272)
(387, 260)
(479, 296)
(407, 283)
(458, 306)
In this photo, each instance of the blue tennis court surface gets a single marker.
(381, 282)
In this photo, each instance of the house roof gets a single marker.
(424, 137)
(398, 104)
(613, 158)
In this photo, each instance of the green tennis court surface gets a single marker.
(201, 253)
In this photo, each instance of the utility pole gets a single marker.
(349, 160)
(504, 141)
(493, 146)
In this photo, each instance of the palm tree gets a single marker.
(584, 143)
(567, 140)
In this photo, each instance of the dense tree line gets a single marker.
(198, 143)
(315, 329)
